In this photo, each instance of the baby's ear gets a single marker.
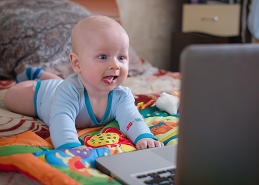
(75, 62)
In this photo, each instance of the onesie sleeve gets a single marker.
(63, 111)
(130, 120)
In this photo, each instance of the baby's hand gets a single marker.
(148, 143)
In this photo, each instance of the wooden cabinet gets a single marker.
(219, 20)
(206, 24)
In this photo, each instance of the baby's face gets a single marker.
(104, 60)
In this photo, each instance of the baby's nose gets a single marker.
(114, 65)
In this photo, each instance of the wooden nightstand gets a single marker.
(206, 24)
(219, 20)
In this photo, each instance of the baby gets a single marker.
(91, 97)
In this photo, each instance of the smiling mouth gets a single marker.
(109, 79)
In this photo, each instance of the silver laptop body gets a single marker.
(219, 115)
(126, 167)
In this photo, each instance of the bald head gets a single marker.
(85, 29)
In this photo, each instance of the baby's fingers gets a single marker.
(148, 143)
(141, 145)
(159, 144)
(153, 143)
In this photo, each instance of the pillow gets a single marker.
(135, 65)
(36, 33)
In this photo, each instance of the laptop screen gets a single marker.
(219, 115)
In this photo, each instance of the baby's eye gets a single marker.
(103, 57)
(121, 58)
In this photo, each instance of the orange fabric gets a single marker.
(26, 138)
(177, 94)
(48, 140)
(148, 104)
(25, 163)
(88, 130)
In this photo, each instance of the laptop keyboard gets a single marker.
(161, 177)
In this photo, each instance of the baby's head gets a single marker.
(100, 53)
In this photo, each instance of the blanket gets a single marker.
(25, 146)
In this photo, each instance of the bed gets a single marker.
(37, 33)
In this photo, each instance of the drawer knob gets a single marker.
(216, 18)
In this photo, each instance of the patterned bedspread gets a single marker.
(25, 145)
(154, 80)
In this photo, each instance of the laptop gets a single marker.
(218, 126)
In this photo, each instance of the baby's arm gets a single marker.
(132, 124)
(63, 112)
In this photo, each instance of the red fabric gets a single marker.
(11, 167)
(145, 98)
(6, 84)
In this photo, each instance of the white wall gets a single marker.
(149, 24)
